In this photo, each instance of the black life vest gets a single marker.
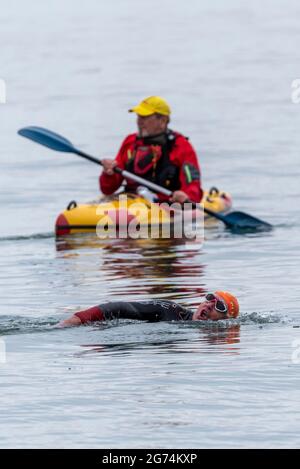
(150, 159)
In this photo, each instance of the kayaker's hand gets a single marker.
(179, 196)
(108, 166)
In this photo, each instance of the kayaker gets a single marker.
(155, 153)
(216, 306)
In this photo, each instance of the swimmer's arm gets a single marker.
(143, 311)
(88, 315)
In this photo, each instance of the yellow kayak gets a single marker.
(109, 212)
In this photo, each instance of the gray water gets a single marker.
(226, 69)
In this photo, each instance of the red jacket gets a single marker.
(182, 155)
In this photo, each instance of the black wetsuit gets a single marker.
(152, 310)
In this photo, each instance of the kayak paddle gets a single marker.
(236, 221)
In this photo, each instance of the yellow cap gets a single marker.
(152, 105)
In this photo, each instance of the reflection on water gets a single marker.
(219, 334)
(91, 241)
(161, 267)
(226, 337)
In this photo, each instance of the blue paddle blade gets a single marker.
(240, 221)
(47, 138)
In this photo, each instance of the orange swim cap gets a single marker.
(231, 302)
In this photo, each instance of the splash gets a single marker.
(22, 325)
(263, 318)
(244, 319)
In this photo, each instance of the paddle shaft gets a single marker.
(150, 185)
(162, 190)
(233, 220)
(127, 174)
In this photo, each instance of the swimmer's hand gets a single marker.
(70, 322)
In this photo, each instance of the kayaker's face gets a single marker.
(207, 311)
(152, 125)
